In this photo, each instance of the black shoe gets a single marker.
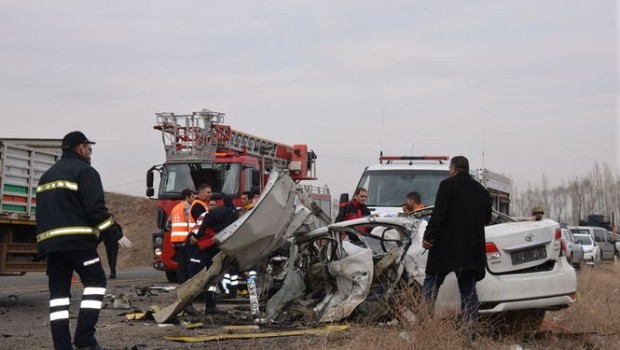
(95, 347)
(112, 275)
(190, 310)
(214, 311)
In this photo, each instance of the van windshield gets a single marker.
(389, 188)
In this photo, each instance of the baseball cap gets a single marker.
(75, 138)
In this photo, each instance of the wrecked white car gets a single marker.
(353, 268)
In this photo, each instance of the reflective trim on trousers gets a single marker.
(59, 315)
(90, 304)
(94, 291)
(59, 302)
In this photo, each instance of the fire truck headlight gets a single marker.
(157, 251)
(159, 241)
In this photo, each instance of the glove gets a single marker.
(124, 242)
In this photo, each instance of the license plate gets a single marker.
(529, 254)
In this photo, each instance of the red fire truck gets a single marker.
(200, 148)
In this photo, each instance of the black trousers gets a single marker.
(181, 256)
(111, 250)
(200, 259)
(60, 268)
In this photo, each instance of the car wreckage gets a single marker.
(330, 272)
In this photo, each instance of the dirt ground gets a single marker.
(591, 323)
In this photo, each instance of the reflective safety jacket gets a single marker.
(198, 207)
(71, 210)
(180, 225)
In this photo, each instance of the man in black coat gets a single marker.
(71, 213)
(455, 237)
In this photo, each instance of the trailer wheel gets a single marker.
(172, 276)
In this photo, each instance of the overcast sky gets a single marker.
(532, 84)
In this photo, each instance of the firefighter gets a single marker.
(200, 203)
(180, 227)
(208, 225)
(70, 214)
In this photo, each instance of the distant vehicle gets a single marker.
(389, 182)
(200, 148)
(597, 220)
(591, 251)
(601, 237)
(571, 248)
(22, 162)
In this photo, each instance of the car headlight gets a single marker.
(157, 251)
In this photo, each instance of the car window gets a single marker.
(599, 236)
(583, 239)
(568, 235)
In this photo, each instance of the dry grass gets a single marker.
(592, 323)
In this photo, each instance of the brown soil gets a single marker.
(137, 216)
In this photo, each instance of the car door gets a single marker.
(607, 248)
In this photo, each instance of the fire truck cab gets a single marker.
(200, 148)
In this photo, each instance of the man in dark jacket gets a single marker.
(455, 237)
(356, 208)
(207, 226)
(70, 214)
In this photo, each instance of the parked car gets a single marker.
(601, 237)
(571, 249)
(591, 250)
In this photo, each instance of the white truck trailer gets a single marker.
(22, 162)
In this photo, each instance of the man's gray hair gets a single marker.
(460, 163)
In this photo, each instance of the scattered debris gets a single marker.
(224, 336)
(121, 302)
(190, 325)
(240, 329)
(405, 336)
(12, 297)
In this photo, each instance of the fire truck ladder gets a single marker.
(198, 136)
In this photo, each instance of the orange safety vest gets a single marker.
(190, 217)
(180, 223)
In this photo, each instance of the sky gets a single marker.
(525, 88)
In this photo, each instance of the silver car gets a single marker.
(591, 250)
(571, 249)
(601, 237)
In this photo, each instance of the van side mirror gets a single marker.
(344, 197)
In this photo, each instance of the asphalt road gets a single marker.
(33, 283)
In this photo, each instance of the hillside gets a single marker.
(137, 217)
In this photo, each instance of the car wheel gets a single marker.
(518, 322)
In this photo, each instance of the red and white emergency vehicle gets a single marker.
(389, 182)
(200, 148)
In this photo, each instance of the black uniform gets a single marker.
(70, 214)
